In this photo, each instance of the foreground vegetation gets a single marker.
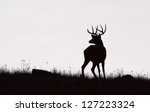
(54, 82)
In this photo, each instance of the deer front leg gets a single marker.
(103, 67)
(98, 70)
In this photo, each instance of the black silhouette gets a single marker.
(95, 53)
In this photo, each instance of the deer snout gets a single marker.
(91, 41)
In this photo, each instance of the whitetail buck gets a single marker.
(95, 53)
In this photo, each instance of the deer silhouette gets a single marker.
(95, 53)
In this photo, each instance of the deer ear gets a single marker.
(92, 36)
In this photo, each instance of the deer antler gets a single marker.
(102, 30)
(92, 33)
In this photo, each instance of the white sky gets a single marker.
(54, 31)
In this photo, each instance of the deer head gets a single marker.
(96, 35)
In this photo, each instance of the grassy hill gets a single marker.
(45, 83)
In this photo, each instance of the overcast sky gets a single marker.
(54, 31)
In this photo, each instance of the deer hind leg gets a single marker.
(98, 70)
(92, 69)
(83, 67)
(103, 67)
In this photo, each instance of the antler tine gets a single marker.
(89, 31)
(92, 31)
(96, 29)
(105, 28)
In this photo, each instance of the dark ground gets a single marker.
(46, 83)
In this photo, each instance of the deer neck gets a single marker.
(100, 44)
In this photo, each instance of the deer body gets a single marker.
(95, 53)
